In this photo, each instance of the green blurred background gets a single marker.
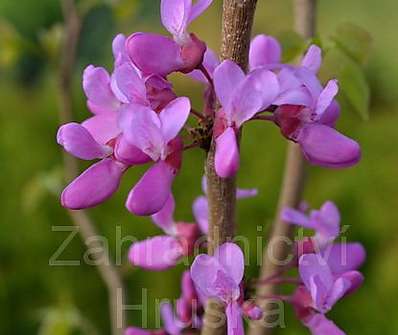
(38, 299)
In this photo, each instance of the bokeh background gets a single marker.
(38, 299)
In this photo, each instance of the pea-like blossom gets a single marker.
(187, 314)
(320, 291)
(157, 136)
(220, 277)
(162, 252)
(307, 112)
(325, 222)
(242, 97)
(183, 53)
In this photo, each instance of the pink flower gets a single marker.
(241, 97)
(325, 222)
(184, 53)
(157, 136)
(96, 138)
(160, 253)
(324, 287)
(220, 276)
(321, 289)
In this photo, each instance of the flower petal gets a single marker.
(313, 58)
(320, 325)
(175, 15)
(129, 84)
(326, 147)
(96, 85)
(158, 253)
(103, 127)
(256, 93)
(78, 141)
(293, 216)
(310, 81)
(227, 154)
(143, 49)
(326, 97)
(150, 194)
(173, 117)
(119, 50)
(330, 115)
(234, 319)
(201, 213)
(244, 193)
(95, 185)
(164, 219)
(129, 154)
(227, 76)
(171, 324)
(198, 8)
(230, 256)
(344, 257)
(313, 265)
(141, 127)
(137, 331)
(340, 287)
(264, 50)
(211, 280)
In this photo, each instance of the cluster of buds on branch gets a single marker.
(138, 119)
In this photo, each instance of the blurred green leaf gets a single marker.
(293, 45)
(49, 182)
(51, 40)
(125, 9)
(10, 44)
(60, 320)
(354, 41)
(354, 87)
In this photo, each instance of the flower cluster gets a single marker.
(137, 118)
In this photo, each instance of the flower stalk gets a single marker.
(291, 192)
(81, 219)
(238, 18)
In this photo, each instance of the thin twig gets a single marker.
(107, 270)
(292, 188)
(238, 18)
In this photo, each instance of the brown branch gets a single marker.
(81, 219)
(278, 250)
(238, 18)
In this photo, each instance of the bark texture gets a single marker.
(238, 18)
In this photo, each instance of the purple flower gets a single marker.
(241, 98)
(264, 51)
(308, 113)
(200, 206)
(324, 287)
(96, 138)
(320, 290)
(184, 53)
(219, 276)
(317, 323)
(157, 136)
(160, 253)
(186, 312)
(178, 14)
(188, 304)
(325, 222)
